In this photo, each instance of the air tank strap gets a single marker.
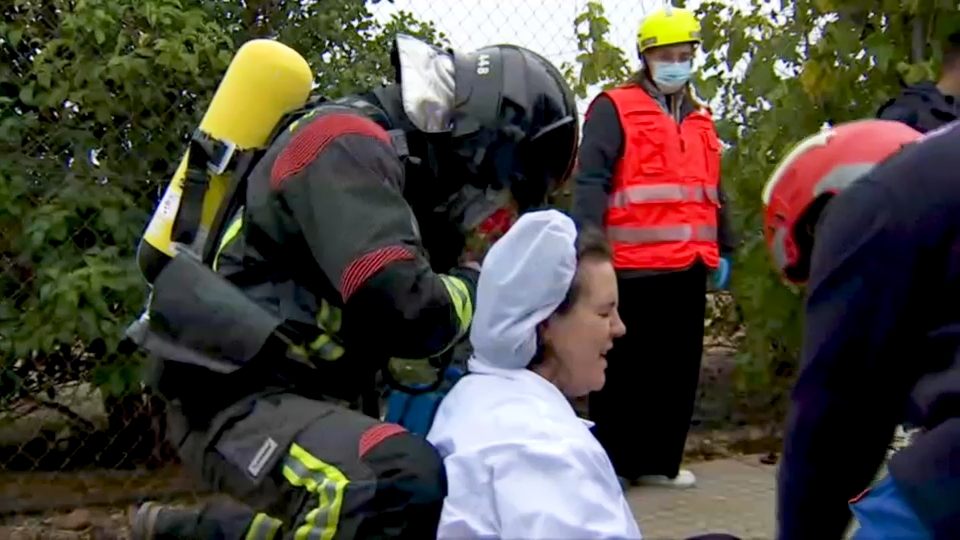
(233, 201)
(208, 157)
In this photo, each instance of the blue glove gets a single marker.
(721, 276)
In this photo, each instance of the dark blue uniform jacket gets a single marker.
(921, 106)
(881, 346)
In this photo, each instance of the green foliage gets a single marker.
(96, 99)
(599, 62)
(805, 64)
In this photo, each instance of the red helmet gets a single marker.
(817, 168)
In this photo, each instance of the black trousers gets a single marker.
(301, 468)
(643, 412)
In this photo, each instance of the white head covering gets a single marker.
(524, 278)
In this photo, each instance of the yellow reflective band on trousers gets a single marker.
(462, 305)
(326, 483)
(662, 193)
(263, 527)
(654, 235)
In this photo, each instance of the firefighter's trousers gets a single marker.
(307, 469)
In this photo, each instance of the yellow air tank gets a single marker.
(265, 81)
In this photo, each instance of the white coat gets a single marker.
(520, 464)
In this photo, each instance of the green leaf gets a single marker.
(14, 36)
(881, 48)
(600, 62)
(26, 94)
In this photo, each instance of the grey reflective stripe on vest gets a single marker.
(654, 235)
(661, 193)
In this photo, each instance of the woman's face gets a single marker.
(576, 342)
(670, 54)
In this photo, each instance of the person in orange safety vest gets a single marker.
(649, 174)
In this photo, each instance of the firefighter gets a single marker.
(649, 172)
(867, 215)
(351, 229)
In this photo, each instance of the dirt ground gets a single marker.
(106, 499)
(83, 523)
(94, 505)
(84, 505)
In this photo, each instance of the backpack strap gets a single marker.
(207, 157)
(233, 200)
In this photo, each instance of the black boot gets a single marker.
(153, 521)
(214, 521)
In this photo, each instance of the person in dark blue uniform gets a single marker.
(868, 215)
(927, 105)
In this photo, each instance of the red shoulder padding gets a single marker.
(377, 434)
(311, 139)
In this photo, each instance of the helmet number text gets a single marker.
(483, 64)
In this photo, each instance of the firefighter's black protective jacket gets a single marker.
(327, 233)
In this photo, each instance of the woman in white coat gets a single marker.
(520, 463)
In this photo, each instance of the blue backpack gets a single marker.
(415, 411)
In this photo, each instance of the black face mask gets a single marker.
(528, 168)
(432, 179)
(457, 183)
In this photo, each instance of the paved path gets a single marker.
(734, 496)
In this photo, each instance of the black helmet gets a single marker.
(515, 122)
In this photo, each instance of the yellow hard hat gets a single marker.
(668, 26)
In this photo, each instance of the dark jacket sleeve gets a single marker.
(341, 181)
(600, 150)
(851, 390)
(725, 237)
(901, 110)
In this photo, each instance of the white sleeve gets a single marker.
(468, 512)
(558, 491)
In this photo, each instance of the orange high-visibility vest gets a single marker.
(662, 212)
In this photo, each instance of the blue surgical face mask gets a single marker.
(671, 76)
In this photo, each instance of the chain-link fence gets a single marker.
(96, 102)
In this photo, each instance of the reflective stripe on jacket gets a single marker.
(662, 212)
